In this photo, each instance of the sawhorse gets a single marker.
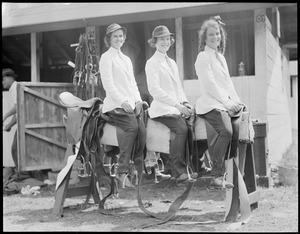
(246, 164)
(64, 191)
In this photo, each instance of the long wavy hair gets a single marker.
(216, 23)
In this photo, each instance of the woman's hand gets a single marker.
(236, 107)
(126, 106)
(185, 111)
(138, 108)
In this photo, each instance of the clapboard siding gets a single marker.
(278, 113)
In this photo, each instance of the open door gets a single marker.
(42, 138)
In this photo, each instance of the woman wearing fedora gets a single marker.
(123, 103)
(170, 105)
(219, 103)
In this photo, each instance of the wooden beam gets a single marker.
(45, 125)
(5, 58)
(44, 138)
(291, 46)
(103, 15)
(42, 96)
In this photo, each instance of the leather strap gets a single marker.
(174, 207)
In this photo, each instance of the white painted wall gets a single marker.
(278, 106)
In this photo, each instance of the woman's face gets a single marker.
(213, 37)
(117, 39)
(163, 44)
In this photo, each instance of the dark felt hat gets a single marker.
(161, 31)
(8, 72)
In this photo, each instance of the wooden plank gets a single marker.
(42, 96)
(21, 126)
(45, 125)
(42, 137)
(254, 197)
(77, 191)
(63, 86)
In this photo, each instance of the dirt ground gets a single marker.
(202, 211)
(277, 211)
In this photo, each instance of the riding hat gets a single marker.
(8, 72)
(114, 27)
(161, 31)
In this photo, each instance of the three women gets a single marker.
(219, 104)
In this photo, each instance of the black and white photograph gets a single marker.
(150, 116)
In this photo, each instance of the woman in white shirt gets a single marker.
(123, 103)
(170, 105)
(218, 104)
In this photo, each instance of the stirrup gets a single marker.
(85, 173)
(163, 176)
(124, 180)
(223, 181)
(189, 171)
(158, 171)
(112, 167)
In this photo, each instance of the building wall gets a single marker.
(293, 72)
(278, 112)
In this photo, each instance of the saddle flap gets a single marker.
(74, 124)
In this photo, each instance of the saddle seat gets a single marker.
(69, 100)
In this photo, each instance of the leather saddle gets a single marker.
(78, 112)
(68, 100)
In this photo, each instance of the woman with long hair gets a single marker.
(219, 103)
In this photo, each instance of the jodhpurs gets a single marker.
(176, 124)
(131, 133)
(227, 141)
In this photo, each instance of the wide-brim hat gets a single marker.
(8, 72)
(161, 31)
(114, 27)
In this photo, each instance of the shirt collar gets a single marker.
(160, 56)
(209, 50)
(114, 51)
(13, 85)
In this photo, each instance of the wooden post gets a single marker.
(179, 47)
(261, 23)
(35, 58)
